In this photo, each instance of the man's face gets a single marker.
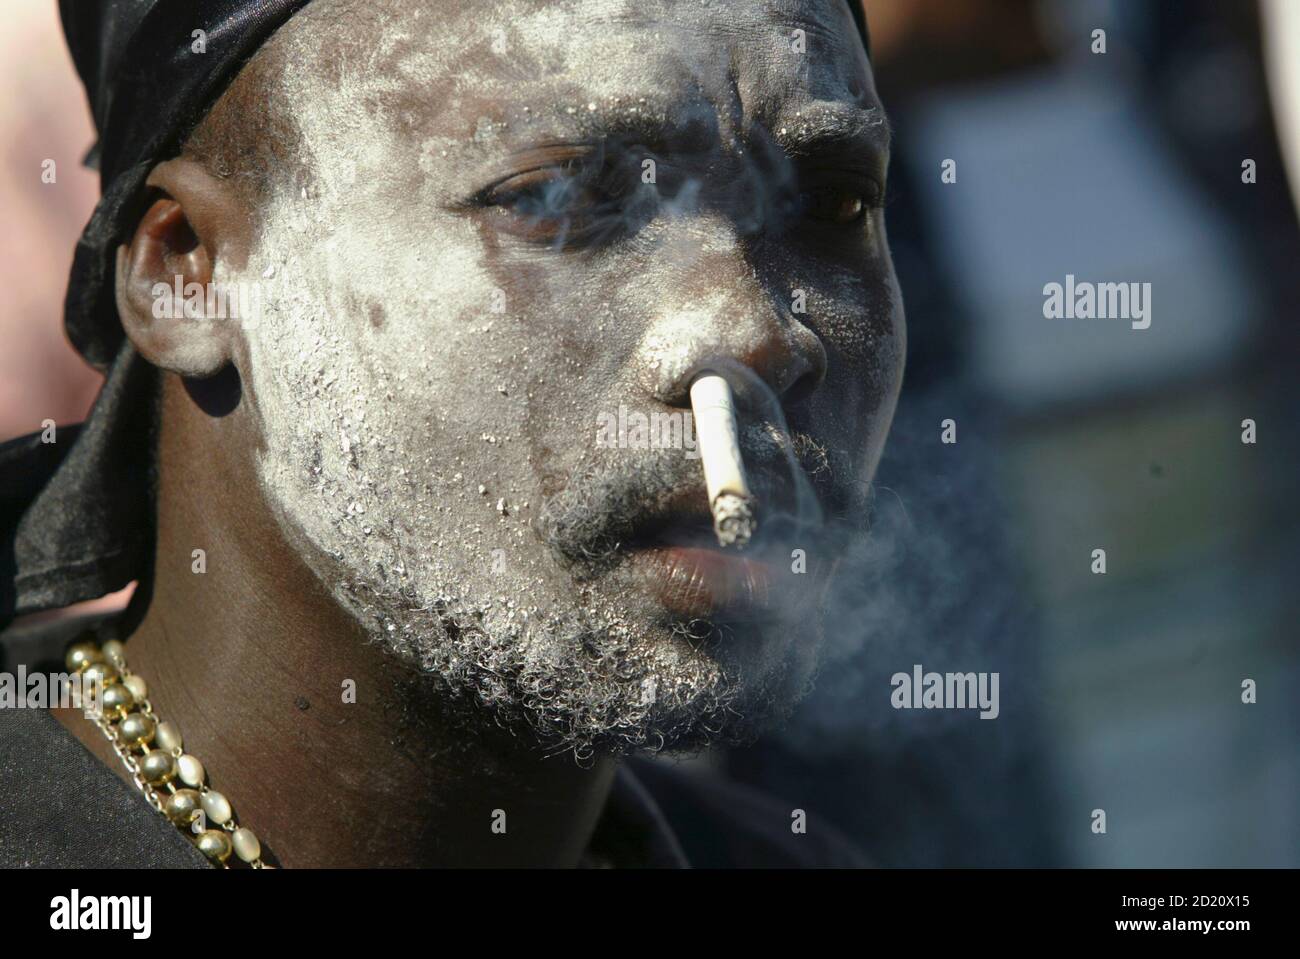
(514, 220)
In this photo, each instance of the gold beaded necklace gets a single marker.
(154, 755)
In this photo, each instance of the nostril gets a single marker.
(802, 388)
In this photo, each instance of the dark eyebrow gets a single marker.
(656, 122)
(648, 119)
(834, 128)
(661, 123)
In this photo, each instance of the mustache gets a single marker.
(617, 497)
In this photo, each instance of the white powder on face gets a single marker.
(376, 371)
(404, 421)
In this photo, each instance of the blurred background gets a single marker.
(1120, 691)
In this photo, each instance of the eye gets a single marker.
(566, 203)
(538, 192)
(835, 205)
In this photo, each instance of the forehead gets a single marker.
(613, 47)
(467, 70)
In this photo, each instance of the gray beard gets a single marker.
(587, 692)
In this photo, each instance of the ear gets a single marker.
(166, 297)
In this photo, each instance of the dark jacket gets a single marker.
(60, 807)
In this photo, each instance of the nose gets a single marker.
(722, 314)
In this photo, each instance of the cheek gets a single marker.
(449, 369)
(860, 320)
(559, 350)
(882, 369)
(488, 364)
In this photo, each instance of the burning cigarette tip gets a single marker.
(733, 520)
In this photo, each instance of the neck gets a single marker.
(252, 661)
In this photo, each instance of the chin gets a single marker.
(614, 675)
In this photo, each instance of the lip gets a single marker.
(694, 582)
(679, 562)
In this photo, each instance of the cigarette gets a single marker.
(730, 500)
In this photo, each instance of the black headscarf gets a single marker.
(77, 515)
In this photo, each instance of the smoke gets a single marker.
(934, 583)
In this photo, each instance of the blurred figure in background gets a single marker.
(1120, 691)
(47, 195)
(44, 120)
